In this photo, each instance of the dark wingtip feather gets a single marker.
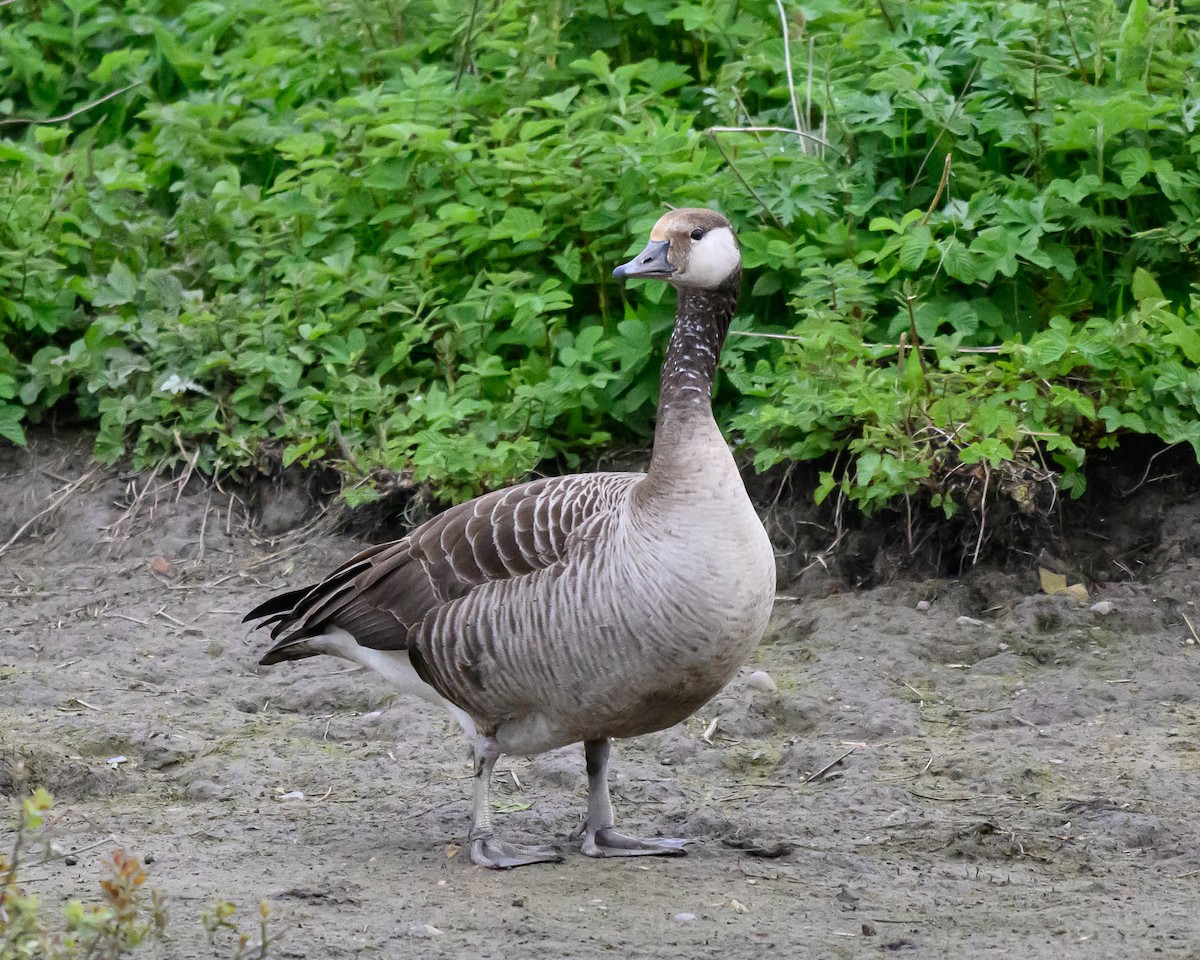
(279, 605)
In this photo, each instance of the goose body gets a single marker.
(577, 608)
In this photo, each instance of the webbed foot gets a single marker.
(501, 855)
(606, 842)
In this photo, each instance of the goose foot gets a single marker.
(606, 842)
(501, 855)
(599, 837)
(486, 850)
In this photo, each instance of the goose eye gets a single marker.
(697, 234)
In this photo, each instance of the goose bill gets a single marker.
(651, 262)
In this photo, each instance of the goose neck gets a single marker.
(686, 433)
(702, 319)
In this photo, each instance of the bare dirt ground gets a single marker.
(1019, 773)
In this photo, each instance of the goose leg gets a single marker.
(486, 850)
(599, 837)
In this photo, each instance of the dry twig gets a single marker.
(57, 502)
(74, 113)
(816, 775)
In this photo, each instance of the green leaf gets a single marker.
(120, 287)
(915, 245)
(558, 102)
(518, 224)
(11, 416)
(300, 146)
(957, 260)
(339, 262)
(1047, 348)
(913, 376)
(991, 449)
(1185, 336)
(1144, 287)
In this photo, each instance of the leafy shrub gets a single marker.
(124, 917)
(1073, 181)
(380, 236)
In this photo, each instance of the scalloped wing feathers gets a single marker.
(381, 595)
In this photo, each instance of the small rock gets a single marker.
(684, 917)
(969, 622)
(868, 929)
(203, 790)
(1103, 608)
(70, 859)
(424, 931)
(164, 568)
(761, 680)
(159, 753)
(923, 605)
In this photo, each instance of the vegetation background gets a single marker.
(377, 234)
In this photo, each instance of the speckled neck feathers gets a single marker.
(686, 435)
(702, 320)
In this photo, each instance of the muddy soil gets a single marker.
(949, 768)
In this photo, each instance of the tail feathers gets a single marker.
(276, 607)
(294, 606)
(358, 599)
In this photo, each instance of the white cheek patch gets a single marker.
(713, 258)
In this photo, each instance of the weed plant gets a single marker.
(125, 918)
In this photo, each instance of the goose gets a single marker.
(579, 608)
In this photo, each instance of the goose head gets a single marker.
(692, 247)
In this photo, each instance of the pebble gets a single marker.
(922, 605)
(424, 931)
(684, 917)
(970, 622)
(1103, 608)
(761, 680)
(203, 790)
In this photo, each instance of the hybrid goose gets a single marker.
(579, 608)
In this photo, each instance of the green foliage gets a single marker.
(1070, 186)
(222, 928)
(379, 235)
(914, 422)
(124, 916)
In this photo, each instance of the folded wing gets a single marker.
(382, 594)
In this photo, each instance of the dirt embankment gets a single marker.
(1017, 774)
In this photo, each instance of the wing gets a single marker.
(380, 595)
